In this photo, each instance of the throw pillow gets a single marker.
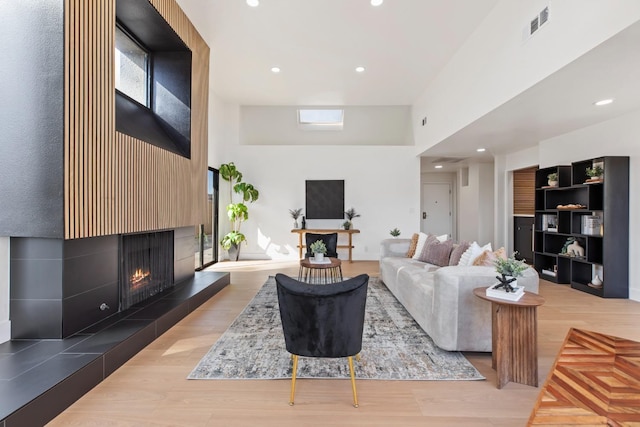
(457, 252)
(436, 252)
(443, 238)
(412, 245)
(489, 258)
(473, 252)
(422, 238)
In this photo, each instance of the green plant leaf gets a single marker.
(233, 238)
(248, 191)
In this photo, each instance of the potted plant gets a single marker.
(552, 179)
(346, 225)
(509, 270)
(319, 249)
(595, 173)
(295, 213)
(350, 214)
(237, 212)
(395, 232)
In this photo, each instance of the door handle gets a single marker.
(424, 215)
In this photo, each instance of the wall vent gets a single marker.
(536, 23)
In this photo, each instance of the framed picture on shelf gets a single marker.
(550, 223)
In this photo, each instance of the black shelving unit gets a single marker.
(600, 225)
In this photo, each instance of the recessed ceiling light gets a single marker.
(481, 150)
(275, 69)
(376, 2)
(438, 166)
(253, 3)
(603, 102)
(360, 69)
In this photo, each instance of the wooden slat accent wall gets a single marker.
(524, 191)
(115, 183)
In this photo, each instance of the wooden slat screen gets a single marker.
(524, 191)
(115, 183)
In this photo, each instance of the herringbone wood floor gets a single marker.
(151, 389)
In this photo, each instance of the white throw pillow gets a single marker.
(422, 238)
(474, 251)
(442, 238)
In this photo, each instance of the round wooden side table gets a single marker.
(514, 337)
(320, 273)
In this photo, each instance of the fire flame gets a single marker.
(139, 277)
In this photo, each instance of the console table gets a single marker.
(301, 232)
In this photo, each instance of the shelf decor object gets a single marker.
(581, 227)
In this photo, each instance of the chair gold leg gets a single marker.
(353, 383)
(293, 378)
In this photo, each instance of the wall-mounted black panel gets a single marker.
(31, 118)
(324, 199)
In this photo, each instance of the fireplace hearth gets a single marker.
(146, 266)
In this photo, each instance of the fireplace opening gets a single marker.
(146, 266)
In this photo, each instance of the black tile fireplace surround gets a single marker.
(41, 378)
(59, 287)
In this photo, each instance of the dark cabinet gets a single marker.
(523, 238)
(594, 213)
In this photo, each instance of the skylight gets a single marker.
(320, 118)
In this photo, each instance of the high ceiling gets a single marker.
(403, 44)
(318, 44)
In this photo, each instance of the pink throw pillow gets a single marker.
(436, 252)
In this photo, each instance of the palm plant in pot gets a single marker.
(350, 214)
(237, 212)
(319, 250)
(509, 270)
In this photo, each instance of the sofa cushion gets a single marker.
(488, 258)
(473, 252)
(413, 245)
(422, 238)
(436, 252)
(457, 252)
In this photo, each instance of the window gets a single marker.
(132, 68)
(318, 119)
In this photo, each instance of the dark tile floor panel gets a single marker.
(40, 378)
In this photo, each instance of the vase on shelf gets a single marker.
(295, 224)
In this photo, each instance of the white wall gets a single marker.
(495, 65)
(381, 182)
(363, 125)
(476, 205)
(5, 325)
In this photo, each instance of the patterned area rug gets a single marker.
(394, 346)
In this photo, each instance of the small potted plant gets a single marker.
(346, 225)
(350, 214)
(509, 270)
(595, 173)
(552, 179)
(395, 232)
(319, 249)
(295, 213)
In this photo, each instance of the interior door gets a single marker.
(436, 209)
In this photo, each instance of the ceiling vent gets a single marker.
(451, 160)
(536, 23)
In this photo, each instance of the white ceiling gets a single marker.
(319, 43)
(403, 44)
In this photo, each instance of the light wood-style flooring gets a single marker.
(152, 390)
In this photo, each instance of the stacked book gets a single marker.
(502, 294)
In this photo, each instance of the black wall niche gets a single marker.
(32, 129)
(167, 123)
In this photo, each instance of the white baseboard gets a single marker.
(634, 295)
(5, 331)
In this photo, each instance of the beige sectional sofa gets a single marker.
(441, 299)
